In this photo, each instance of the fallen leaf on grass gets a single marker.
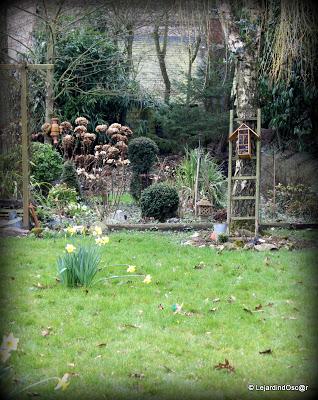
(247, 310)
(102, 345)
(46, 331)
(40, 286)
(125, 326)
(201, 265)
(216, 300)
(72, 365)
(213, 309)
(226, 365)
(267, 351)
(231, 299)
(136, 375)
(258, 308)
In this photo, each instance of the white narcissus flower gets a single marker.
(9, 343)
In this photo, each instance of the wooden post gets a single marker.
(25, 147)
(258, 171)
(196, 184)
(229, 177)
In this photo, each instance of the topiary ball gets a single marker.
(159, 201)
(142, 153)
(46, 163)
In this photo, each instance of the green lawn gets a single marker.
(120, 344)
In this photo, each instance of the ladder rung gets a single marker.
(246, 119)
(243, 198)
(247, 177)
(241, 218)
(237, 158)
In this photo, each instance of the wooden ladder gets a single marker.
(256, 177)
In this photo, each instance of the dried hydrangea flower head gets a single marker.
(89, 138)
(46, 128)
(112, 153)
(119, 138)
(65, 127)
(125, 130)
(113, 129)
(81, 121)
(80, 130)
(101, 128)
(68, 141)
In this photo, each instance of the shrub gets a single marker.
(69, 176)
(46, 163)
(142, 153)
(138, 184)
(159, 201)
(61, 195)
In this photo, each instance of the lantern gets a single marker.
(204, 208)
(243, 135)
(55, 130)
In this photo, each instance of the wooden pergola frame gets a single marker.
(23, 68)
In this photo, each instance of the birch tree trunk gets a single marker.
(161, 54)
(244, 89)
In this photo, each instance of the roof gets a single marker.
(234, 134)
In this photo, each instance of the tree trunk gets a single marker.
(244, 92)
(192, 56)
(129, 49)
(161, 54)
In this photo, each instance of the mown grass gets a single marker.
(123, 345)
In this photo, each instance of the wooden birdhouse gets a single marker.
(243, 134)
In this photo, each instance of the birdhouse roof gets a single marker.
(204, 202)
(234, 134)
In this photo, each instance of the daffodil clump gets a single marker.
(79, 264)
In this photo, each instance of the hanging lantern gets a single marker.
(204, 208)
(55, 130)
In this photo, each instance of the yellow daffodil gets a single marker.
(71, 230)
(97, 231)
(4, 355)
(63, 382)
(102, 240)
(131, 268)
(70, 248)
(105, 239)
(147, 279)
(9, 343)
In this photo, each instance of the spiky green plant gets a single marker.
(212, 182)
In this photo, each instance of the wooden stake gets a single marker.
(25, 147)
(229, 177)
(258, 171)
